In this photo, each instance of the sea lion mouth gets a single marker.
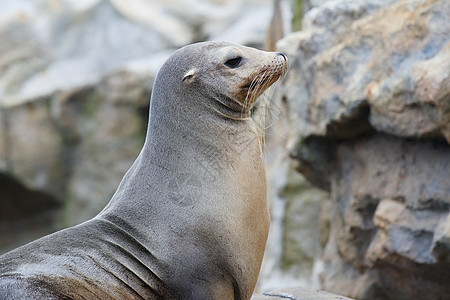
(257, 84)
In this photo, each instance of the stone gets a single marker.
(298, 294)
(349, 57)
(38, 167)
(372, 234)
(366, 100)
(441, 241)
(26, 214)
(388, 211)
(105, 128)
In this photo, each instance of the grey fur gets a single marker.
(189, 219)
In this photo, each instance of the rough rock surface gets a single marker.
(368, 96)
(298, 294)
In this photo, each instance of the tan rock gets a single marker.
(387, 213)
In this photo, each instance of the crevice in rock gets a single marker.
(316, 156)
(414, 278)
(26, 214)
(352, 124)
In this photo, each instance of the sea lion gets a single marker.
(189, 219)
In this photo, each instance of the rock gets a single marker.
(294, 243)
(25, 213)
(156, 15)
(374, 238)
(441, 241)
(349, 58)
(104, 128)
(301, 225)
(366, 100)
(252, 21)
(24, 127)
(298, 294)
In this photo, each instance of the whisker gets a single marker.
(258, 86)
(250, 90)
(258, 100)
(230, 116)
(264, 103)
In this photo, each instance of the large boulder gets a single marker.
(367, 102)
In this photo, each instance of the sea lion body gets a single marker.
(190, 219)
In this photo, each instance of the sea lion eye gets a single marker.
(234, 62)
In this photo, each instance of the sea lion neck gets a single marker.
(183, 133)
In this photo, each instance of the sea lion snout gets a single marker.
(275, 66)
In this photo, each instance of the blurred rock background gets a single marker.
(358, 153)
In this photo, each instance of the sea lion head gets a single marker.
(230, 75)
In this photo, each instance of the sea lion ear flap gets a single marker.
(190, 75)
